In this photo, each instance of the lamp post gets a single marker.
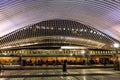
(116, 46)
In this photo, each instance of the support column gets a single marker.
(116, 46)
(116, 65)
(87, 57)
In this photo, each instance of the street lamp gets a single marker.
(116, 46)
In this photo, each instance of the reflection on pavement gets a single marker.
(71, 74)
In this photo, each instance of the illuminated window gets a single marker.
(106, 51)
(47, 27)
(72, 29)
(76, 29)
(94, 32)
(63, 28)
(118, 51)
(52, 28)
(37, 27)
(85, 30)
(24, 28)
(98, 52)
(43, 27)
(59, 28)
(103, 35)
(81, 30)
(91, 31)
(110, 51)
(91, 53)
(30, 28)
(68, 29)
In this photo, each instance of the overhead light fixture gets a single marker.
(72, 47)
(83, 52)
(116, 45)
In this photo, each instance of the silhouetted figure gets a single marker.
(1, 66)
(41, 62)
(54, 62)
(47, 62)
(83, 62)
(104, 61)
(57, 62)
(64, 66)
(20, 60)
(23, 63)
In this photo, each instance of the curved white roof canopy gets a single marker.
(103, 15)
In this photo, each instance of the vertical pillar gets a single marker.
(87, 57)
(116, 64)
(116, 46)
(87, 60)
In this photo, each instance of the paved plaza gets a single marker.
(57, 74)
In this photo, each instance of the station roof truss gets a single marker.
(57, 33)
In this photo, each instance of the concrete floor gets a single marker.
(57, 74)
